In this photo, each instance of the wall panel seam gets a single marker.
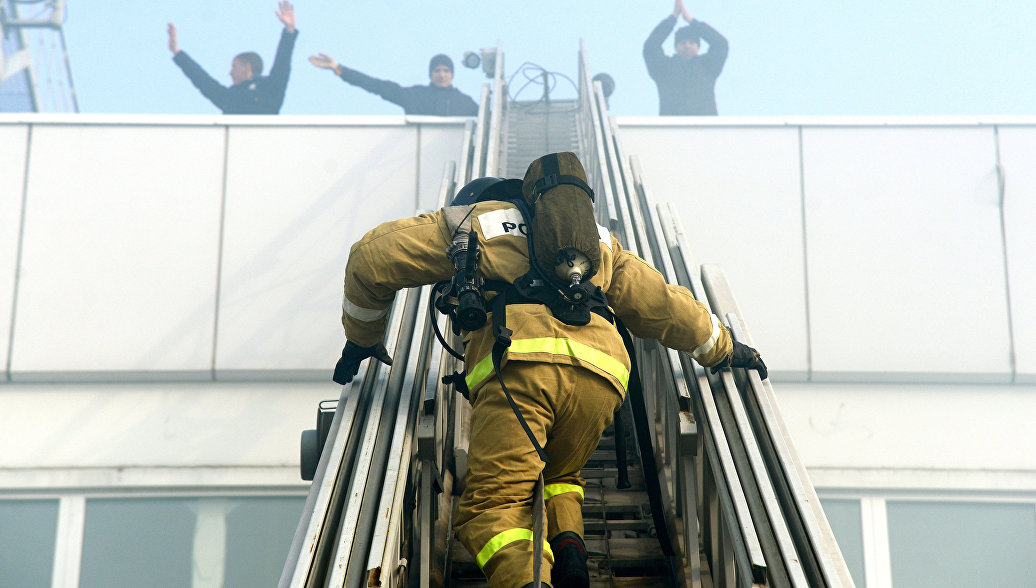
(805, 258)
(219, 249)
(1001, 192)
(18, 254)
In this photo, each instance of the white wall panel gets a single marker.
(12, 187)
(119, 260)
(1018, 158)
(177, 424)
(934, 433)
(439, 143)
(739, 198)
(904, 253)
(297, 199)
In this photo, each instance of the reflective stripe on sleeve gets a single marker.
(708, 345)
(552, 490)
(360, 313)
(555, 346)
(501, 539)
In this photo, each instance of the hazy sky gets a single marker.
(882, 57)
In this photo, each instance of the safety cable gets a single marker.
(435, 323)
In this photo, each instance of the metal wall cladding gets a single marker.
(738, 194)
(148, 426)
(193, 251)
(858, 252)
(904, 253)
(885, 428)
(297, 199)
(119, 251)
(862, 251)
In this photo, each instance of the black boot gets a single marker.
(542, 585)
(569, 569)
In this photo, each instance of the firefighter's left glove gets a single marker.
(743, 356)
(352, 355)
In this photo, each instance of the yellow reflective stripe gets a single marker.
(556, 346)
(482, 370)
(504, 538)
(552, 490)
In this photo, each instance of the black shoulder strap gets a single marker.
(552, 177)
(503, 340)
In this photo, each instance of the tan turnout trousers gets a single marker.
(567, 408)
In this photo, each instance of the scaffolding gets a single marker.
(34, 69)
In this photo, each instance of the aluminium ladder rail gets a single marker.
(735, 498)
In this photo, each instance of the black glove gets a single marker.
(743, 356)
(352, 355)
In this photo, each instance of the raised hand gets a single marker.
(686, 13)
(286, 14)
(174, 46)
(324, 61)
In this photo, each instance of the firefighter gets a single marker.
(566, 381)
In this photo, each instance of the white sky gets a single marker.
(786, 58)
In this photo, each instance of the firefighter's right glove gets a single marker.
(352, 355)
(743, 356)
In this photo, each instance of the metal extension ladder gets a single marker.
(718, 476)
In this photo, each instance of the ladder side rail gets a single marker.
(730, 491)
(602, 185)
(319, 506)
(736, 525)
(434, 435)
(309, 567)
(582, 89)
(668, 397)
(621, 227)
(802, 509)
(478, 160)
(590, 144)
(377, 468)
(662, 366)
(355, 485)
(499, 99)
(610, 165)
(630, 204)
(385, 560)
(613, 199)
(463, 170)
(667, 267)
(433, 432)
(773, 536)
(687, 504)
(653, 235)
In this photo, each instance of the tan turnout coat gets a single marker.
(411, 252)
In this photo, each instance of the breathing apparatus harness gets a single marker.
(463, 298)
(570, 298)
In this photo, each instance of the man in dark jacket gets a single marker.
(438, 98)
(687, 80)
(250, 92)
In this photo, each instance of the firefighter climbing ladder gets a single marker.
(716, 493)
